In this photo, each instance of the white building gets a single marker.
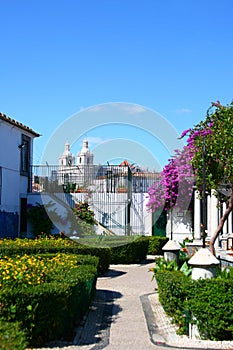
(16, 145)
(71, 172)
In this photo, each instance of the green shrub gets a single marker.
(156, 244)
(130, 253)
(207, 302)
(173, 289)
(38, 217)
(210, 302)
(54, 245)
(12, 336)
(49, 311)
(103, 254)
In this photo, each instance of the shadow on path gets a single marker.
(96, 329)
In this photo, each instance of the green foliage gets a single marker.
(156, 244)
(207, 302)
(83, 212)
(40, 220)
(225, 273)
(133, 252)
(123, 249)
(103, 253)
(173, 289)
(12, 336)
(186, 269)
(84, 219)
(53, 245)
(165, 265)
(210, 302)
(217, 130)
(49, 311)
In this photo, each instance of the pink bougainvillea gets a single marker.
(174, 186)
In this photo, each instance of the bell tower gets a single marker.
(85, 157)
(66, 159)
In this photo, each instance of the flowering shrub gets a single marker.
(83, 212)
(33, 270)
(50, 241)
(174, 186)
(46, 293)
(84, 219)
(209, 155)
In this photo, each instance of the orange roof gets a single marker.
(18, 124)
(125, 163)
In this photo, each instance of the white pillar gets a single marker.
(224, 230)
(214, 212)
(197, 216)
(230, 223)
(209, 216)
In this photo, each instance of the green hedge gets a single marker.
(207, 302)
(103, 253)
(12, 336)
(49, 311)
(156, 244)
(210, 302)
(133, 252)
(53, 246)
(173, 289)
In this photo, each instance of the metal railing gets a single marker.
(111, 191)
(85, 178)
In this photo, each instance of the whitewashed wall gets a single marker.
(13, 186)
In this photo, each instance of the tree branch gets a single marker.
(221, 223)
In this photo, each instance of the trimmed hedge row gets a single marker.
(114, 250)
(156, 244)
(173, 289)
(50, 310)
(209, 301)
(133, 252)
(24, 311)
(53, 246)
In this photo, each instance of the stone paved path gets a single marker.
(126, 315)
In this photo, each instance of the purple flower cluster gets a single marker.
(174, 185)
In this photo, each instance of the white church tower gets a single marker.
(67, 158)
(85, 157)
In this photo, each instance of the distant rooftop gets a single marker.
(18, 124)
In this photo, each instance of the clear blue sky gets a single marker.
(60, 57)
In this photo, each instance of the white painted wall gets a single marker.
(181, 224)
(14, 186)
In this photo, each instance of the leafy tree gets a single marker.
(38, 217)
(209, 147)
(215, 136)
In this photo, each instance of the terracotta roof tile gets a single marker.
(18, 124)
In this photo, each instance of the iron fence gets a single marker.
(115, 193)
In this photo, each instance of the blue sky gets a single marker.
(61, 57)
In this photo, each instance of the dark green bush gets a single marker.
(49, 311)
(40, 221)
(103, 253)
(156, 244)
(207, 302)
(129, 253)
(173, 289)
(12, 336)
(210, 302)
